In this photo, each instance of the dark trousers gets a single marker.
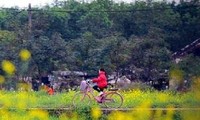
(97, 88)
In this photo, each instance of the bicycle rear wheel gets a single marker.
(81, 99)
(113, 100)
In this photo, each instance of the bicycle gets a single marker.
(111, 98)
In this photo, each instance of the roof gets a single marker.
(193, 47)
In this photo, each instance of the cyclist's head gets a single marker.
(101, 69)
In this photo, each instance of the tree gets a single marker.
(9, 45)
(150, 54)
(96, 20)
(84, 51)
(115, 52)
(48, 54)
(188, 29)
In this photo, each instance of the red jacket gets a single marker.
(50, 91)
(101, 80)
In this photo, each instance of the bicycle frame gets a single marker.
(90, 92)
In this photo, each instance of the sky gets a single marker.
(23, 3)
(36, 3)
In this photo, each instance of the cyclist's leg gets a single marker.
(95, 87)
(98, 98)
(102, 89)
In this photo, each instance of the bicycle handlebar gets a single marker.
(88, 81)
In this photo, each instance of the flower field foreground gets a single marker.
(16, 105)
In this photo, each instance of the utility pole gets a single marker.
(29, 21)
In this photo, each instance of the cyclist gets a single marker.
(101, 82)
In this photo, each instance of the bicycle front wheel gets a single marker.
(81, 99)
(113, 100)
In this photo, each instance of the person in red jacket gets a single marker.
(101, 81)
(50, 90)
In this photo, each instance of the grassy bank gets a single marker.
(132, 99)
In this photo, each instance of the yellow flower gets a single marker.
(8, 67)
(38, 114)
(118, 115)
(96, 112)
(4, 114)
(24, 55)
(72, 116)
(170, 113)
(2, 79)
(163, 97)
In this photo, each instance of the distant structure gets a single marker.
(193, 47)
(70, 73)
(65, 80)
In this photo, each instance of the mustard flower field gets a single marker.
(138, 105)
